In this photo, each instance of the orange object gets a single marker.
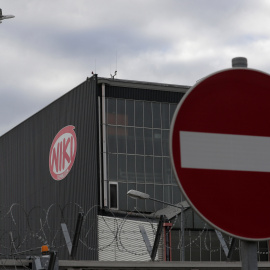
(45, 249)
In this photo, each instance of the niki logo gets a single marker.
(63, 153)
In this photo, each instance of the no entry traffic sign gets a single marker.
(220, 151)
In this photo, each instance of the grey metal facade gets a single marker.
(26, 182)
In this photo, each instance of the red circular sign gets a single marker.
(220, 151)
(62, 153)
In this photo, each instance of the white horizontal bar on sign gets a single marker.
(216, 151)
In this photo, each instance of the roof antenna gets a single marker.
(112, 76)
(94, 73)
(115, 72)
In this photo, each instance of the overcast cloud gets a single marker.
(52, 46)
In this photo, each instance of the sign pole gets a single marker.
(248, 248)
(249, 255)
(182, 234)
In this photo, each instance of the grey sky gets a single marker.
(52, 46)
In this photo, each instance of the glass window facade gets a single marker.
(137, 152)
(136, 156)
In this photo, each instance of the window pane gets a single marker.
(131, 168)
(168, 194)
(130, 140)
(141, 203)
(139, 141)
(177, 196)
(122, 174)
(149, 203)
(131, 201)
(122, 187)
(121, 131)
(158, 169)
(148, 141)
(165, 142)
(167, 170)
(140, 168)
(113, 196)
(138, 113)
(111, 111)
(147, 114)
(121, 116)
(158, 196)
(156, 115)
(157, 142)
(149, 171)
(112, 144)
(130, 112)
(112, 159)
(121, 140)
(174, 181)
(172, 110)
(165, 116)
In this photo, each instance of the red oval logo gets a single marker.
(63, 153)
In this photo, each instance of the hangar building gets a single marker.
(83, 153)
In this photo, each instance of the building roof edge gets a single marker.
(143, 85)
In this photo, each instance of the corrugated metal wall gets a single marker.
(26, 179)
(120, 239)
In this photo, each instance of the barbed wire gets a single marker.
(23, 232)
